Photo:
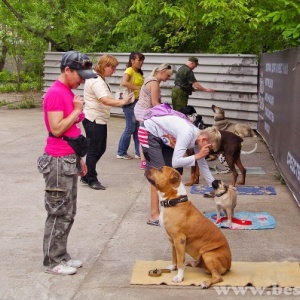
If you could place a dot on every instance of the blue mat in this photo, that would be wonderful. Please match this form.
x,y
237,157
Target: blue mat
x,y
246,220
241,190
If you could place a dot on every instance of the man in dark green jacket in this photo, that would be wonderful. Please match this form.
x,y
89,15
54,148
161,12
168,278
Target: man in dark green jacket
x,y
185,84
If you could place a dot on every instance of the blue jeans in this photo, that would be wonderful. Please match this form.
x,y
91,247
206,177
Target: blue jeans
x,y
131,128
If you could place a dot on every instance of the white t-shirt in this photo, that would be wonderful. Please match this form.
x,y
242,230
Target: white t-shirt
x,y
184,135
94,109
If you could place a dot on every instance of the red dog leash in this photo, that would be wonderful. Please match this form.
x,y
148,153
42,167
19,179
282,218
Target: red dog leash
x,y
234,220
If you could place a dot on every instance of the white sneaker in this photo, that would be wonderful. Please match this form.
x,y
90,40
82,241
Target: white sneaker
x,y
126,156
74,263
137,156
62,269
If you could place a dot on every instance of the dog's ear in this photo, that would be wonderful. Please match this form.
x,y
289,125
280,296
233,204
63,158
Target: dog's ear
x,y
199,118
215,184
175,176
192,109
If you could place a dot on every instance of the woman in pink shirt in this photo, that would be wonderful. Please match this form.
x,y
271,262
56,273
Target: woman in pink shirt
x,y
59,164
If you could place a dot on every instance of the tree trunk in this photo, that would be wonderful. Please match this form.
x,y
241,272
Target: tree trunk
x,y
3,57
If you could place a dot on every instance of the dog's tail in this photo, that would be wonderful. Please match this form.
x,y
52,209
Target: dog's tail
x,y
249,152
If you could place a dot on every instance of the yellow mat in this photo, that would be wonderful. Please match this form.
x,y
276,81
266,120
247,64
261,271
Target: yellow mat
x,y
262,274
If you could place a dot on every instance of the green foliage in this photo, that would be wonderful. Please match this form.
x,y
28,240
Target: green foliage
x,y
3,103
10,82
6,76
287,21
28,28
26,103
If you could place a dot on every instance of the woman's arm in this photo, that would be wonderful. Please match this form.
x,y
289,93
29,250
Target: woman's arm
x,y
58,124
114,102
126,81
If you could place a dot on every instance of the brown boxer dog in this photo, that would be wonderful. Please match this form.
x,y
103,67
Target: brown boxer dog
x,y
188,229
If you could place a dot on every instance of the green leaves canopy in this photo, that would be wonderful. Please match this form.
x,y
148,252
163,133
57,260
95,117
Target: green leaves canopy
x,y
27,28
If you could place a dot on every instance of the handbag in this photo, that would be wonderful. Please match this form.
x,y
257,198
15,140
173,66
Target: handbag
x,y
122,92
79,144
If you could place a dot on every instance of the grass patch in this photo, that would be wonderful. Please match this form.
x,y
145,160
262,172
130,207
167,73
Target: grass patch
x,y
3,103
279,177
25,103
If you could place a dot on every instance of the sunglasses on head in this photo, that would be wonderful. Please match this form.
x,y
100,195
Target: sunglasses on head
x,y
167,67
85,63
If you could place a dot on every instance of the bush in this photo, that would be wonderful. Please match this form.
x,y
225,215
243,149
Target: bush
x,y
6,76
8,88
29,82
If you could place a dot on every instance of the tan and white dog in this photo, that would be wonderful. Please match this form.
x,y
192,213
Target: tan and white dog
x,y
221,123
226,200
188,229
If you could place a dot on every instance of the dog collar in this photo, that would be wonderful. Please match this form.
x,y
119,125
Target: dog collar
x,y
221,194
173,202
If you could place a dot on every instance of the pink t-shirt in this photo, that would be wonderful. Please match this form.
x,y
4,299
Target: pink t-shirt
x,y
59,97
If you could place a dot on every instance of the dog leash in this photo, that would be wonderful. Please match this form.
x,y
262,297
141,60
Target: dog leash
x,y
158,272
234,220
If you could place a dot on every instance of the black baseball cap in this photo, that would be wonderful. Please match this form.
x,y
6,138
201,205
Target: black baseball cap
x,y
78,62
194,60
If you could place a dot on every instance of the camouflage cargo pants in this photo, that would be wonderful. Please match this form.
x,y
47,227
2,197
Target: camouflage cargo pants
x,y
179,98
61,177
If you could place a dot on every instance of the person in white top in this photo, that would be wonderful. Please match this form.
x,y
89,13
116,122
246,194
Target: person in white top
x,y
150,95
164,141
98,101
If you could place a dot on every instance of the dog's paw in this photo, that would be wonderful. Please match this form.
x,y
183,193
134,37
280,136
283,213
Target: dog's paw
x,y
179,277
172,267
229,224
205,284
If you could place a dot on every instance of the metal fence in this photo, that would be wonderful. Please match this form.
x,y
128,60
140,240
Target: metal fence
x,y
232,76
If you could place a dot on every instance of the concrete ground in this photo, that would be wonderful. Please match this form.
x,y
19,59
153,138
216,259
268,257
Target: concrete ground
x,y
110,232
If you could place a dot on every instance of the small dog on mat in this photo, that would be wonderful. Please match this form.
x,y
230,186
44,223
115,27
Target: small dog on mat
x,y
225,199
188,229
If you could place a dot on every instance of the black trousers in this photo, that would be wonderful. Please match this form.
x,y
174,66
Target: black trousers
x,y
97,133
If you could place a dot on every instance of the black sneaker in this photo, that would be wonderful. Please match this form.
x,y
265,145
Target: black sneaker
x,y
96,185
83,180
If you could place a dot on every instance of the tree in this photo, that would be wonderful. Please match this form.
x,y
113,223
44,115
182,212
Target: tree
x,y
206,26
